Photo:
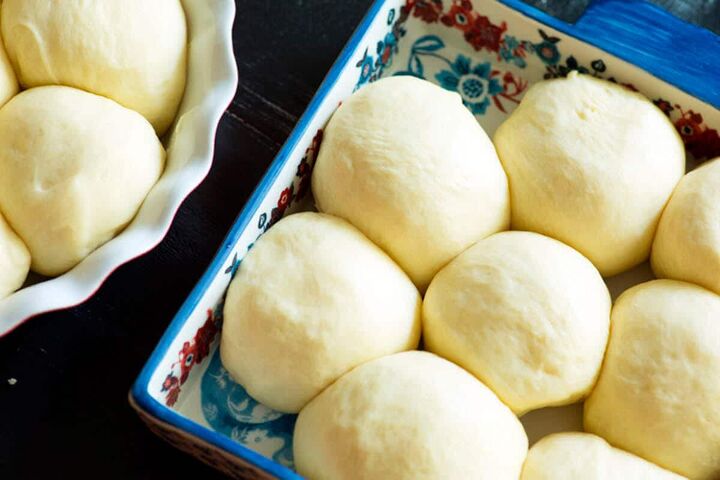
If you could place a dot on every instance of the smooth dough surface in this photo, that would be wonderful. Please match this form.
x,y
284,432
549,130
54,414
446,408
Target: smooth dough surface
x,y
132,51
591,164
75,169
575,456
8,81
687,244
14,260
409,416
311,300
404,161
658,392
526,314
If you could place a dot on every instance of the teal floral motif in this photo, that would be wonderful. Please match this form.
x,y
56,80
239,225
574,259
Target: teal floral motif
x,y
229,409
547,50
475,84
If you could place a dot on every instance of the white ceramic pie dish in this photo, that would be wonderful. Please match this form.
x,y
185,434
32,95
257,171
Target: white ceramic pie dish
x,y
211,85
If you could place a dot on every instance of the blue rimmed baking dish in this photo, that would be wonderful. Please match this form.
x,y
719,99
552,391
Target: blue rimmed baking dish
x,y
488,51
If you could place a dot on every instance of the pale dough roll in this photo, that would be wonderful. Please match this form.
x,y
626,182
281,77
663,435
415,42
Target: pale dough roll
x,y
311,300
658,392
409,416
8,82
687,244
528,315
133,51
582,456
14,260
591,164
405,162
75,169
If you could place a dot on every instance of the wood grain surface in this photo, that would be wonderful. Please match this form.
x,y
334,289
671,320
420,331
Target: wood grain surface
x,y
66,414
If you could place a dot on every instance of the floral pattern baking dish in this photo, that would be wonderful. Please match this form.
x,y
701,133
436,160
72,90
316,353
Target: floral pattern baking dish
x,y
211,84
489,52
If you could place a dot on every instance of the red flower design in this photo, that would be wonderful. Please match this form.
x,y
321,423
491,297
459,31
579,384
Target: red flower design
x,y
426,10
701,140
285,198
172,396
484,34
186,361
204,337
169,382
460,16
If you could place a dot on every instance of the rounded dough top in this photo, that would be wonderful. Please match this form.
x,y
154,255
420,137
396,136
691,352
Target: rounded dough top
x,y
687,244
14,260
8,82
657,395
133,51
311,300
404,161
526,314
409,416
591,164
76,168
575,456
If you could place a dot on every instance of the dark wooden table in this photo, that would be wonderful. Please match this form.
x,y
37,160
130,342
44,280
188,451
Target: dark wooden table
x,y
67,416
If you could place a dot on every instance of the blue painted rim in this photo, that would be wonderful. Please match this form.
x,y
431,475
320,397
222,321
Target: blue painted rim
x,y
139,390
616,26
645,35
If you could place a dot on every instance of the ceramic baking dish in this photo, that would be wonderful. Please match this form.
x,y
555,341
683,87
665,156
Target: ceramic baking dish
x,y
211,84
490,52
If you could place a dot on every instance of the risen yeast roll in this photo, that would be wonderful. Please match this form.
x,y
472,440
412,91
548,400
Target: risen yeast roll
x,y
133,51
8,81
75,169
405,162
582,456
528,315
311,300
591,164
658,392
14,260
687,244
409,416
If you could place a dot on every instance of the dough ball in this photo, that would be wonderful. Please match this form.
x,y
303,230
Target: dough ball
x,y
132,51
526,314
687,243
658,392
8,82
405,162
592,164
75,169
409,416
574,456
311,300
14,260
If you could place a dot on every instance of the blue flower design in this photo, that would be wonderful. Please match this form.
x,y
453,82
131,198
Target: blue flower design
x,y
548,52
474,84
507,51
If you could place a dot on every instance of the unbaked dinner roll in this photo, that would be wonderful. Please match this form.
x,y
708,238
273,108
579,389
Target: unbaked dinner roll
x,y
405,162
311,300
14,260
75,169
8,82
528,315
592,164
133,51
409,416
582,456
658,392
687,244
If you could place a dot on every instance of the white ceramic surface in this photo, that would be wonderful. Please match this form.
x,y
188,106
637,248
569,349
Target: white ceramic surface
x,y
211,85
